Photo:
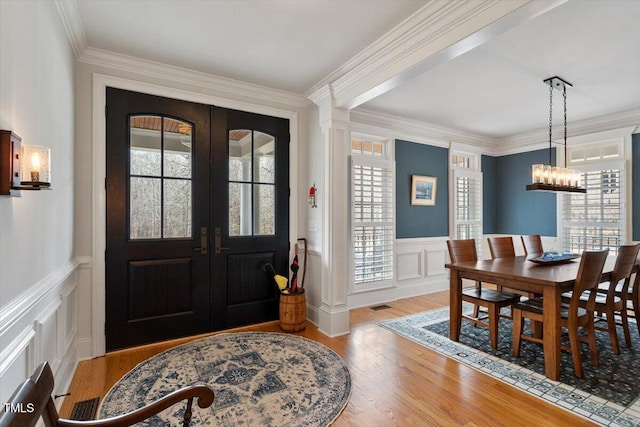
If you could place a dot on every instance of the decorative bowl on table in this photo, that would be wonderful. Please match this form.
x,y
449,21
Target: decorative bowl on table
x,y
553,257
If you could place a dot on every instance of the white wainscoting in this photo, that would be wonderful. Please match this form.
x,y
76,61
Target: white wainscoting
x,y
41,324
420,266
419,270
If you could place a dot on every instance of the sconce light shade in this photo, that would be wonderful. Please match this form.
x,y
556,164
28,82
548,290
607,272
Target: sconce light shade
x,y
36,166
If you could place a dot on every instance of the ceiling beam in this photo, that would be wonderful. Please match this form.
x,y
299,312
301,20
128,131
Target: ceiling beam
x,y
435,34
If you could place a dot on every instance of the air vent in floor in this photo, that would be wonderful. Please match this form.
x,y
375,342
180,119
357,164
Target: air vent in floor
x,y
85,410
380,307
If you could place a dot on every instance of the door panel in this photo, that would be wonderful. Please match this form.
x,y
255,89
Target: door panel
x,y
157,279
160,288
252,179
197,204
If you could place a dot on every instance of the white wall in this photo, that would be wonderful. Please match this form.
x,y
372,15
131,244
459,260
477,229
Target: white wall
x,y
38,296
310,225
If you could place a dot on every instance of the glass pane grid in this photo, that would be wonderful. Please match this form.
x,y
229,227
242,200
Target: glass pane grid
x,y
251,183
160,172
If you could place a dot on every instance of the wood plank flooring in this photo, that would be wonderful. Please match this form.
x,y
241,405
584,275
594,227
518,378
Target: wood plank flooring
x,y
395,382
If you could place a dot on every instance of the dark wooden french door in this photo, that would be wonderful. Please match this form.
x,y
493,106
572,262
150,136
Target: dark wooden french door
x,y
197,203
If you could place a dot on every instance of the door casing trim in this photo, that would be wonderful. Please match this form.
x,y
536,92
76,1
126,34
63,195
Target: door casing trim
x,y
99,198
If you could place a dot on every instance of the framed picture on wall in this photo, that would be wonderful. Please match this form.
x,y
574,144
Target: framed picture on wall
x,y
423,190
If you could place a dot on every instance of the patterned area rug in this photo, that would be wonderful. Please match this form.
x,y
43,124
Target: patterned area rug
x,y
259,379
607,395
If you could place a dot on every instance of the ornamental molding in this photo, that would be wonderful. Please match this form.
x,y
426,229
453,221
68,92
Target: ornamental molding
x,y
233,88
70,16
438,32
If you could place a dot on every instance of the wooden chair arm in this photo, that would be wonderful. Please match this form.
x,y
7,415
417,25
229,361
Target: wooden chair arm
x,y
203,393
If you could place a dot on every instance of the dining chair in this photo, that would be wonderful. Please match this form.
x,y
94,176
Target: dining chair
x,y
501,247
633,298
612,296
573,315
532,244
492,300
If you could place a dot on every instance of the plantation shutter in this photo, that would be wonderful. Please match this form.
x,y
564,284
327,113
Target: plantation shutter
x,y
372,213
595,220
468,206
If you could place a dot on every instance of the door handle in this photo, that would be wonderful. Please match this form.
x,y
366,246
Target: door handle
x,y
204,239
218,241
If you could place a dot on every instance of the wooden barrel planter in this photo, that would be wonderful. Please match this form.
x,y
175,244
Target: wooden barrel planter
x,y
293,312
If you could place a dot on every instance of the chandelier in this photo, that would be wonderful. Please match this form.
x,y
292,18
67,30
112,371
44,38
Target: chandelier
x,y
554,178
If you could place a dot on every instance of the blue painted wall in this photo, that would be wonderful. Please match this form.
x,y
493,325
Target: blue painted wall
x,y
489,196
509,208
421,221
635,189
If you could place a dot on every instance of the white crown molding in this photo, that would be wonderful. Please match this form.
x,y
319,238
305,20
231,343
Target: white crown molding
x,y
390,126
321,95
70,16
538,139
440,31
233,88
415,131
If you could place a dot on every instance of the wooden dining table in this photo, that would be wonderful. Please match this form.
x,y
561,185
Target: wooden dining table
x,y
548,280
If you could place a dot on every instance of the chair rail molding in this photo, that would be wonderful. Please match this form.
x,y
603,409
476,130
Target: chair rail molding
x,y
16,309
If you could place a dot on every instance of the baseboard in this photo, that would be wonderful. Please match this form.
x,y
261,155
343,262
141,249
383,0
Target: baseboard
x,y
85,348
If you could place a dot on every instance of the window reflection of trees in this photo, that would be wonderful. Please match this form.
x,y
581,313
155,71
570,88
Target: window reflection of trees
x,y
146,211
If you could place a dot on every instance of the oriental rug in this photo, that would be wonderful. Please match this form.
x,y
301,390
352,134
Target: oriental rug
x,y
607,395
259,379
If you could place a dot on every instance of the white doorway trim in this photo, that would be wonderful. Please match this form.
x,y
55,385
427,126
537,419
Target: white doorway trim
x,y
99,224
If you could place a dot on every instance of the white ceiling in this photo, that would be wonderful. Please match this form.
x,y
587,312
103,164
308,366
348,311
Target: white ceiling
x,y
282,44
493,91
497,89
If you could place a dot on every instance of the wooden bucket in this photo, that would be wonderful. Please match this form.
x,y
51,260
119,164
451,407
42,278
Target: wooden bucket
x,y
293,312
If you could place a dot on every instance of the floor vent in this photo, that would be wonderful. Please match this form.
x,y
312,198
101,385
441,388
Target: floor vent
x,y
380,307
85,410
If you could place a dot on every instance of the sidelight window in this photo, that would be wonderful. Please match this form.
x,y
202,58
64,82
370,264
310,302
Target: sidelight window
x,y
160,178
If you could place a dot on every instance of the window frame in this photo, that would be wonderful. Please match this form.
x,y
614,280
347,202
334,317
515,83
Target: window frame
x,y
473,171
620,139
594,166
382,161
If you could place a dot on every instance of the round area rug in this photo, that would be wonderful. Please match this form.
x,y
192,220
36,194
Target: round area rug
x,y
259,379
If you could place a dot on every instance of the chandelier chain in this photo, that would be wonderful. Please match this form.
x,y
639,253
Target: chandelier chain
x,y
550,118
564,94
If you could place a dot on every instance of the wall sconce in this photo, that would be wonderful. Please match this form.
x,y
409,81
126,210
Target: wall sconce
x,y
22,166
35,167
10,145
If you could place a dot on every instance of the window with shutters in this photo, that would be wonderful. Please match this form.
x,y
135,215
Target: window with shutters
x,y
595,220
467,198
372,215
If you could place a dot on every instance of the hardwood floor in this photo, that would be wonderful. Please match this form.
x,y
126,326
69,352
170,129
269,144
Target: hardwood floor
x,y
395,382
